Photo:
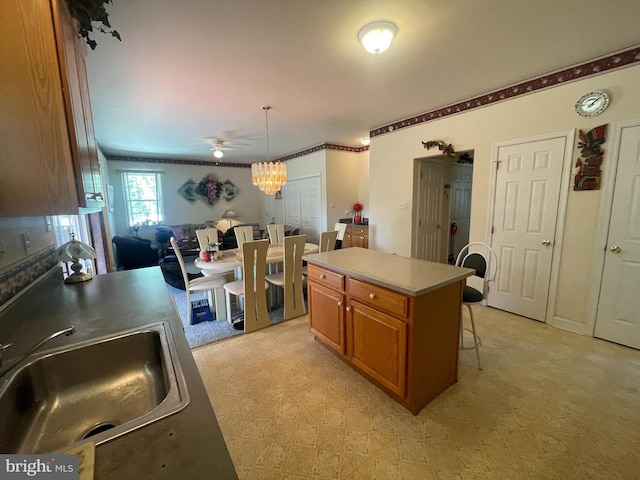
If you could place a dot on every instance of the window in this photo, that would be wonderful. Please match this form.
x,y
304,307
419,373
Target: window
x,y
143,197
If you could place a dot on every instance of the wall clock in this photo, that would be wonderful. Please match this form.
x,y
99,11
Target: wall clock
x,y
592,103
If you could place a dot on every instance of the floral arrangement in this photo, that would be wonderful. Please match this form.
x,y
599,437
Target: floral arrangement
x,y
447,149
209,190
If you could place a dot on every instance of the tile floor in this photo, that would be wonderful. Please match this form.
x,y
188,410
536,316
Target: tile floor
x,y
548,405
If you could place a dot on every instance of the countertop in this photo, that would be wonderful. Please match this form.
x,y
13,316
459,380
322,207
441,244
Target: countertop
x,y
184,445
410,276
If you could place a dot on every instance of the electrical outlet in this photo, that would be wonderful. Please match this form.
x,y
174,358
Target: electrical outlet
x,y
403,206
26,243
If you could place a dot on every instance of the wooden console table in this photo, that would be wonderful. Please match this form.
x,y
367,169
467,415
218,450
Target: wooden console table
x,y
396,320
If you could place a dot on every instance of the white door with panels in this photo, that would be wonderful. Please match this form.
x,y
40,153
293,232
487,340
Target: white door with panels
x,y
618,317
527,192
429,212
303,206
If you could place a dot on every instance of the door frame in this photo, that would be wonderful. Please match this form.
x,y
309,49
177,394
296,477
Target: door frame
x,y
565,181
609,171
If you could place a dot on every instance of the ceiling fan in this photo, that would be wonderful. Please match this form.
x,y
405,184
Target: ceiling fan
x,y
220,146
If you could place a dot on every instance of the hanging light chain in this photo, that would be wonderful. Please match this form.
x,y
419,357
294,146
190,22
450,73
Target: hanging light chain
x,y
266,109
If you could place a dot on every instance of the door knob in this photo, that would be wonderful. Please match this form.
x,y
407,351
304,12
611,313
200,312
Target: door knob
x,y
438,226
615,249
546,243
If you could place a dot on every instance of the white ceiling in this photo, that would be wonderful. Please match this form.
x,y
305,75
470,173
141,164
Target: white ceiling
x,y
190,70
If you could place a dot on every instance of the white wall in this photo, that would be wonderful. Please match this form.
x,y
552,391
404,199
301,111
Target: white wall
x,y
392,158
177,210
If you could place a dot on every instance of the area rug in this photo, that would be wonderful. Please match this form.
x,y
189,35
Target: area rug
x,y
204,333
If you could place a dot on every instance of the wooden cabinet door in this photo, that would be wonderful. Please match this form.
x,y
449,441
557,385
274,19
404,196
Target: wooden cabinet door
x,y
36,177
326,315
72,53
378,346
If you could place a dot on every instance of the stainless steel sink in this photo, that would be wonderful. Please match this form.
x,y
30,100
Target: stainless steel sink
x,y
96,391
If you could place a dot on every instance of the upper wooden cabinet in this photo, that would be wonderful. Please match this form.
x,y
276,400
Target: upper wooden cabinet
x,y
48,155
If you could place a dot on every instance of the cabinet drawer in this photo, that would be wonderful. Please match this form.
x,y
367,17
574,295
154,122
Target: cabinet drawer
x,y
378,297
325,277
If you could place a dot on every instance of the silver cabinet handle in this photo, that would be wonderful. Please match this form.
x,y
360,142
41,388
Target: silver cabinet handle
x,y
372,296
615,249
546,243
323,276
339,303
348,309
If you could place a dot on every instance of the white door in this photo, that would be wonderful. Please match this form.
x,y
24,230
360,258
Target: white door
x,y
527,191
461,182
618,318
311,208
429,212
291,198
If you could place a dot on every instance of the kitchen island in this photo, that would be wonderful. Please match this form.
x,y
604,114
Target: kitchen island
x,y
395,320
187,444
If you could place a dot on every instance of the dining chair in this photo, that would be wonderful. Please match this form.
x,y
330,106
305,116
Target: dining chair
x,y
243,234
341,228
485,262
328,240
276,232
327,243
207,237
212,284
291,279
253,287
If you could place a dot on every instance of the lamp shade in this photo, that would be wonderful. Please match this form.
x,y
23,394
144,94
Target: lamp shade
x,y
229,214
376,37
73,251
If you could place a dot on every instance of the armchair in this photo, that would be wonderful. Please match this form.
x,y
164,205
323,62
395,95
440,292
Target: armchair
x,y
134,252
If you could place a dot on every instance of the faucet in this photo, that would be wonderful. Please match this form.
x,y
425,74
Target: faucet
x,y
67,331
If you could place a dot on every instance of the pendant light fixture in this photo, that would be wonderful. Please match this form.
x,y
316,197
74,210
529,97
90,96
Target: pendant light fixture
x,y
268,176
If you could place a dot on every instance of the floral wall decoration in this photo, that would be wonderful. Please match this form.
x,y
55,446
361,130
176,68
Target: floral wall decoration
x,y
587,167
447,149
208,190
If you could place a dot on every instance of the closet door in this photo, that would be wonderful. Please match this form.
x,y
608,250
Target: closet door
x,y
291,198
303,206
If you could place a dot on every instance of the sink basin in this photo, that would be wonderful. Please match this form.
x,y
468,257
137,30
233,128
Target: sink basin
x,y
96,390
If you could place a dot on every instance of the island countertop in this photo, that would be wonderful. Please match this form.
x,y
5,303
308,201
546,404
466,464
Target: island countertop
x,y
410,276
187,444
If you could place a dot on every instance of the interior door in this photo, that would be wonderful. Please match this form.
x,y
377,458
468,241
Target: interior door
x,y
618,317
525,211
461,183
429,212
291,198
311,201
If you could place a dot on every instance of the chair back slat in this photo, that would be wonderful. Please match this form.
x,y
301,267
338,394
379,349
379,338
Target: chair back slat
x,y
206,237
183,269
293,296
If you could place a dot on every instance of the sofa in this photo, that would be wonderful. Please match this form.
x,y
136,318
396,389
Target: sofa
x,y
229,238
134,252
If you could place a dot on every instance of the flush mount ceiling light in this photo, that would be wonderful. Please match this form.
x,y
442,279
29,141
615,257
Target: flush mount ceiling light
x,y
376,37
217,151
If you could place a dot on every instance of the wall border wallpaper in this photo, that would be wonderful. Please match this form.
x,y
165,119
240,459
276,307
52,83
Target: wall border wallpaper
x,y
20,275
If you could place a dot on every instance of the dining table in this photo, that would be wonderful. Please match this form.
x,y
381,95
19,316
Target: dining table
x,y
230,260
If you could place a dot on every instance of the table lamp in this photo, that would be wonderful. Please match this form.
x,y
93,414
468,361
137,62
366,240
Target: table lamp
x,y
229,215
73,251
